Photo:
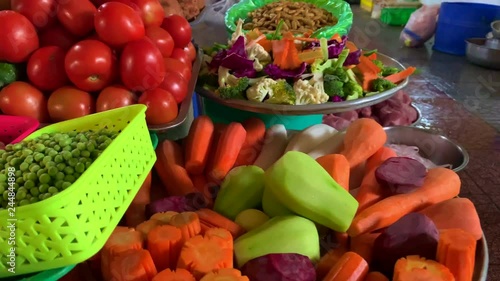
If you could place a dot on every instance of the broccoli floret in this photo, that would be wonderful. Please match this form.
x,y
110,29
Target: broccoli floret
x,y
352,90
282,93
339,72
378,63
235,92
333,85
380,85
388,70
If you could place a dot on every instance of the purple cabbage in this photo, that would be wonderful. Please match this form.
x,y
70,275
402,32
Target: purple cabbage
x,y
275,72
188,203
336,99
334,47
235,59
353,58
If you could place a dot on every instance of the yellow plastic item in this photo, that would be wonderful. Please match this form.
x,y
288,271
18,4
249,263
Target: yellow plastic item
x,y
366,5
72,226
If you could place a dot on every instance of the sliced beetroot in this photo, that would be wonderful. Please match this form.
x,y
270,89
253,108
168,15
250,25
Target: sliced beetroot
x,y
348,115
336,122
413,234
188,203
365,112
282,267
400,175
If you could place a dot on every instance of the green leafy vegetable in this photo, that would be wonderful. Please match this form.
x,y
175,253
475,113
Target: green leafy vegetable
x,y
235,92
333,85
380,85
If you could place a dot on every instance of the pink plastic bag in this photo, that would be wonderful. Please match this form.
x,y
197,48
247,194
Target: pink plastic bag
x,y
420,27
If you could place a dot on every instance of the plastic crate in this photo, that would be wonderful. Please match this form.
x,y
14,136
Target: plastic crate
x,y
13,129
74,225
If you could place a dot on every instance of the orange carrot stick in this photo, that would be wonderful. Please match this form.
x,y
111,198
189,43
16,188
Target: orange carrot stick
x,y
376,276
145,227
188,223
213,219
338,167
402,75
220,233
440,184
164,218
198,142
372,56
202,185
164,244
170,152
177,275
350,267
228,148
457,251
133,265
136,212
201,255
349,45
225,274
415,268
327,261
256,129
121,240
363,245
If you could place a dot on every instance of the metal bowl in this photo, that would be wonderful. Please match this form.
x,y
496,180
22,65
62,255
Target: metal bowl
x,y
478,53
419,115
437,148
325,108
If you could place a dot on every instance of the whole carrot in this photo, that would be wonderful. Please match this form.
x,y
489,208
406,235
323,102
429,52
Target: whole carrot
x,y
350,267
440,184
338,167
198,144
254,141
362,139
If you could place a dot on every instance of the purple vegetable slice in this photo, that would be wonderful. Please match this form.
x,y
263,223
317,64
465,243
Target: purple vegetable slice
x,y
282,267
187,203
276,73
401,174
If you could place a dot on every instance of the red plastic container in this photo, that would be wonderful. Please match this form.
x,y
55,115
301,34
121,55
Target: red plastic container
x,y
14,129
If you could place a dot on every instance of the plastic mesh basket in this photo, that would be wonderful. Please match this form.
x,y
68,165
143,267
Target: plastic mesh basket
x,y
15,128
74,225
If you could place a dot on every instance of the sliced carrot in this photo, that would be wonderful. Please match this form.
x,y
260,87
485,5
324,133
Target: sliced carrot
x,y
225,274
328,260
400,76
363,245
201,255
375,276
220,233
188,223
291,61
133,265
338,167
211,218
198,142
440,184
414,268
311,55
145,227
457,251
164,244
372,56
370,65
228,148
176,275
350,46
350,267
136,212
164,218
121,240
280,51
256,130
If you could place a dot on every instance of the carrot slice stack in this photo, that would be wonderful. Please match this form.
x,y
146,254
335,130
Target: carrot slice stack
x,y
188,223
147,226
121,240
457,250
133,265
221,233
164,244
165,217
351,266
209,219
226,274
415,268
177,275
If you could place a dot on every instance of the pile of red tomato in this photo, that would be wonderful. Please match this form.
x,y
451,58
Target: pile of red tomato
x,y
81,57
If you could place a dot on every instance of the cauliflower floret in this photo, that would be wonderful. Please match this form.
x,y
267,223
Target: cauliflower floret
x,y
226,79
237,33
261,90
258,54
306,93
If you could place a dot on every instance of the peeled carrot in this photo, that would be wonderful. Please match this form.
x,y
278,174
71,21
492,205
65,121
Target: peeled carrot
x,y
370,190
363,245
188,223
164,244
164,218
136,212
440,184
133,265
338,167
225,274
145,227
201,255
328,261
457,251
415,268
170,152
121,240
350,267
176,275
256,130
400,76
362,139
342,239
220,233
198,142
218,130
375,276
202,185
228,148
211,218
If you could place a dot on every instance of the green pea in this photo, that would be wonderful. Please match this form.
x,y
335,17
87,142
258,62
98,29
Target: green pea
x,y
69,178
69,170
73,162
17,146
47,159
61,166
18,174
53,189
80,167
85,153
50,164
6,194
3,177
57,147
20,195
52,171
58,158
41,172
80,146
29,184
59,184
27,152
24,166
24,202
65,185
34,168
34,191
59,176
39,147
33,200
75,153
38,156
28,159
44,178
45,136
43,188
20,180
66,155
2,188
32,176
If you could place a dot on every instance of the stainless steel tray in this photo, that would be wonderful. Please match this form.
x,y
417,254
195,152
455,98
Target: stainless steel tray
x,y
482,261
329,107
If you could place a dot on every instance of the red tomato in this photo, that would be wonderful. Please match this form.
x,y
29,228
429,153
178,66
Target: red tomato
x,y
176,85
90,65
180,55
162,107
141,65
68,103
46,68
114,97
185,70
22,99
41,13
117,24
191,51
162,40
152,12
18,37
77,16
179,29
57,36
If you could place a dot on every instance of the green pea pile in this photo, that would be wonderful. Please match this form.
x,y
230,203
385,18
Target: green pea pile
x,y
48,164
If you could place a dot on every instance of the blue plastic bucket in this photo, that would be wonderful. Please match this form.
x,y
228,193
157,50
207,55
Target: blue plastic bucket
x,y
225,115
459,21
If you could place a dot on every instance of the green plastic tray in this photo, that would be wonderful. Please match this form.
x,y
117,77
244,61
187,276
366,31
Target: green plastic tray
x,y
340,9
48,275
396,16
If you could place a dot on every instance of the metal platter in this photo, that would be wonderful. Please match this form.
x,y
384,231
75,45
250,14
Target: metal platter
x,y
325,108
482,261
